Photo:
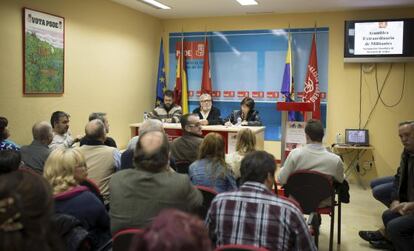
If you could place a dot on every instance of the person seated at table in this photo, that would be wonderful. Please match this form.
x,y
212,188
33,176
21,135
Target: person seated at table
x,y
167,111
211,169
4,135
245,143
64,170
247,114
209,115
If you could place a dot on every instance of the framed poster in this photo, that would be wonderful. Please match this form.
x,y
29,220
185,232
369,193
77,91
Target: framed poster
x,y
43,53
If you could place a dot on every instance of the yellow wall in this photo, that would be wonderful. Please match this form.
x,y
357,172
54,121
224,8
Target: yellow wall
x,y
111,59
343,85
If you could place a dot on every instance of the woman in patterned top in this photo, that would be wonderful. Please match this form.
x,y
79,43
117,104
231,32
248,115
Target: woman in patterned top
x,y
4,134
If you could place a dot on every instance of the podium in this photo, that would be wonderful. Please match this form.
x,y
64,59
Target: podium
x,y
285,108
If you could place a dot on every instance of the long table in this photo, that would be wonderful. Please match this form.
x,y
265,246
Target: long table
x,y
229,133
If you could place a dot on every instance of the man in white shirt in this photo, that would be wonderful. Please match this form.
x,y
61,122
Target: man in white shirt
x,y
62,137
313,156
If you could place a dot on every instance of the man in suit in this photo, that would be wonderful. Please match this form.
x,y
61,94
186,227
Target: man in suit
x,y
209,115
139,194
35,154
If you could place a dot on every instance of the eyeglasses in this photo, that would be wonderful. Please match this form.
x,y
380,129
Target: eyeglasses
x,y
205,101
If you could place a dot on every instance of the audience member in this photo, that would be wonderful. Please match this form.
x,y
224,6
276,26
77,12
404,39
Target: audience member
x,y
399,218
382,189
102,161
62,137
139,194
209,115
102,117
35,154
247,114
245,143
26,208
127,157
178,231
9,161
211,169
4,135
185,148
167,112
313,156
65,169
254,215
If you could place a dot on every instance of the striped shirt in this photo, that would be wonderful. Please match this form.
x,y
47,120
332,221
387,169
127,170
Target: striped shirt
x,y
253,215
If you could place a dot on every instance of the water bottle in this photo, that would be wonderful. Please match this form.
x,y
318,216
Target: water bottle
x,y
239,121
145,116
339,139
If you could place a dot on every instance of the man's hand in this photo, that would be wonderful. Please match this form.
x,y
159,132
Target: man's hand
x,y
228,123
394,204
407,208
244,123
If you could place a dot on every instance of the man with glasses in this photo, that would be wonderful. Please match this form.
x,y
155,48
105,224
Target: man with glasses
x,y
209,115
185,148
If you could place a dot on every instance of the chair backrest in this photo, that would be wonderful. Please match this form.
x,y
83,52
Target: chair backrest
x,y
122,240
309,188
208,196
182,166
238,247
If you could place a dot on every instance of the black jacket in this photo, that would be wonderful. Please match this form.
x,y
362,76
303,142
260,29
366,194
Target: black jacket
x,y
400,182
213,117
253,118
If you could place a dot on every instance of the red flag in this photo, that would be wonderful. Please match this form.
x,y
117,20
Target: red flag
x,y
178,84
206,79
311,88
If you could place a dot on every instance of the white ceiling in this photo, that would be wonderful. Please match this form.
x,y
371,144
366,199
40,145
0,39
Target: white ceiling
x,y
211,8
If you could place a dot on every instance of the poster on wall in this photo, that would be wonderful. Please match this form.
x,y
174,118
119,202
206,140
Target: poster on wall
x,y
43,53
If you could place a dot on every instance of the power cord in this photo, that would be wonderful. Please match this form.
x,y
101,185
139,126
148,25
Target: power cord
x,y
402,90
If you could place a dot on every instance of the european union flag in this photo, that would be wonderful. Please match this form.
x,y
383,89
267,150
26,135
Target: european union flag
x,y
161,80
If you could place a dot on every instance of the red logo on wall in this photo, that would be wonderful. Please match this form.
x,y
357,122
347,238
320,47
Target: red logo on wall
x,y
216,93
192,50
228,94
272,94
190,93
242,94
258,94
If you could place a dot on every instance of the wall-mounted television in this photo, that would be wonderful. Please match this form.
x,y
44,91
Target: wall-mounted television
x,y
387,40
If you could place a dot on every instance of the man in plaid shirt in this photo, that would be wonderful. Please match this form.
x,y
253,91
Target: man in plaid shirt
x,y
254,215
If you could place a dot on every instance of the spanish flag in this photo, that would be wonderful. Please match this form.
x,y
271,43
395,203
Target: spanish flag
x,y
181,87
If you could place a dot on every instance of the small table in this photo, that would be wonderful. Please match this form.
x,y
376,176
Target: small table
x,y
353,166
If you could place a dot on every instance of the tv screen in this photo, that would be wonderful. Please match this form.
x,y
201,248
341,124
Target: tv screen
x,y
356,137
379,41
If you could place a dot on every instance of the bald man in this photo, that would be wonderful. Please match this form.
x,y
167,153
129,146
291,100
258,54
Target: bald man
x,y
139,194
101,160
35,154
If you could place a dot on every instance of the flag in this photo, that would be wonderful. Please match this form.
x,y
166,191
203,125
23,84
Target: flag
x,y
161,80
181,88
287,89
206,78
311,86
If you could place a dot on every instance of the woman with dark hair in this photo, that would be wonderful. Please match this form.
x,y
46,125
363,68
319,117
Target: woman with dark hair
x,y
26,208
4,135
246,116
65,168
210,169
9,161
173,230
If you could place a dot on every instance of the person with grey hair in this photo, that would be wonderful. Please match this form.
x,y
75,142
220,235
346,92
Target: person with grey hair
x,y
101,160
128,155
35,154
209,115
399,218
102,117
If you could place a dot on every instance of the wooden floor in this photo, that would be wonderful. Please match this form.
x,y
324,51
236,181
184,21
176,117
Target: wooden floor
x,y
362,213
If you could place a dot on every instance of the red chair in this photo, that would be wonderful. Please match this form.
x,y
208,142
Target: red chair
x,y
239,247
208,196
310,188
122,240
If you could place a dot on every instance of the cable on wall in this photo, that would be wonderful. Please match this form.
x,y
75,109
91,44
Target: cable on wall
x,y
401,95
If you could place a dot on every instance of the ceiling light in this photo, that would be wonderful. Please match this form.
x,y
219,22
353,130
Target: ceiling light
x,y
247,2
156,4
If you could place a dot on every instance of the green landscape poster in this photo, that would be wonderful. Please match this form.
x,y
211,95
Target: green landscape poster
x,y
43,53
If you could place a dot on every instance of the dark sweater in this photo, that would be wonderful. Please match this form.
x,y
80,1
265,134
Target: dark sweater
x,y
213,117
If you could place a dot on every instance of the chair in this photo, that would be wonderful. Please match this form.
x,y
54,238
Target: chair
x,y
208,196
122,240
239,247
310,188
182,166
